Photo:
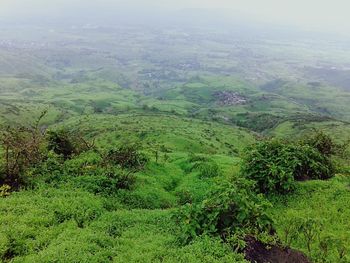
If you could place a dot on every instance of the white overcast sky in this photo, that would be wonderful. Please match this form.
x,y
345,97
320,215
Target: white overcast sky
x,y
327,14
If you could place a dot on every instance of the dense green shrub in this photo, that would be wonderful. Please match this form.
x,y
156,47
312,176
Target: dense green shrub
x,y
86,170
197,158
50,170
184,196
271,164
322,142
60,143
30,150
311,164
258,122
67,143
86,163
207,249
127,156
230,207
103,184
275,165
80,210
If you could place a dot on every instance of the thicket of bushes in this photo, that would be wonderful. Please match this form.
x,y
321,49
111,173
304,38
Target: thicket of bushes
x,y
29,153
275,165
231,211
258,122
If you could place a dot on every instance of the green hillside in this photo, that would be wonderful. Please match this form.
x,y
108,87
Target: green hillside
x,y
149,144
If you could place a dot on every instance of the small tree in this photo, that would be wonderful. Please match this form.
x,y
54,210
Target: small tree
x,y
23,147
66,142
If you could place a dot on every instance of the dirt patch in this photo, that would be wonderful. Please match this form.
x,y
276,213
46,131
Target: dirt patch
x,y
259,252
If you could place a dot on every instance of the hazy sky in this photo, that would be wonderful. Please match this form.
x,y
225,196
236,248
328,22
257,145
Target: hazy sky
x,y
327,14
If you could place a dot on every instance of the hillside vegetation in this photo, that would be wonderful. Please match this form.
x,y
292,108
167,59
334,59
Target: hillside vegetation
x,y
172,146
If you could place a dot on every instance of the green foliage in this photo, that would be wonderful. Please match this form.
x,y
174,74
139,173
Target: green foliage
x,y
206,167
83,204
68,142
276,164
229,208
312,164
271,165
60,143
184,196
87,171
23,148
314,219
322,142
5,190
105,184
37,221
127,156
86,163
208,249
258,122
308,228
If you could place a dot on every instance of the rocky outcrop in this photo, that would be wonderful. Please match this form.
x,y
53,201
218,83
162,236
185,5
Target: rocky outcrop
x,y
229,98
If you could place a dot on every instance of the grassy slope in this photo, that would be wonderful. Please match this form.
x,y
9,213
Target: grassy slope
x,y
69,224
323,201
72,225
42,227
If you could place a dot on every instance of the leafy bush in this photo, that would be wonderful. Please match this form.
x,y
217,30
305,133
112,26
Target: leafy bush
x,y
87,170
207,249
60,143
197,158
26,150
86,163
311,164
79,207
322,142
271,165
41,220
103,184
66,142
275,165
184,196
97,175
22,149
229,208
127,156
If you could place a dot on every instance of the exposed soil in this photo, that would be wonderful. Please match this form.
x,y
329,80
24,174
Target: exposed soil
x,y
259,252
